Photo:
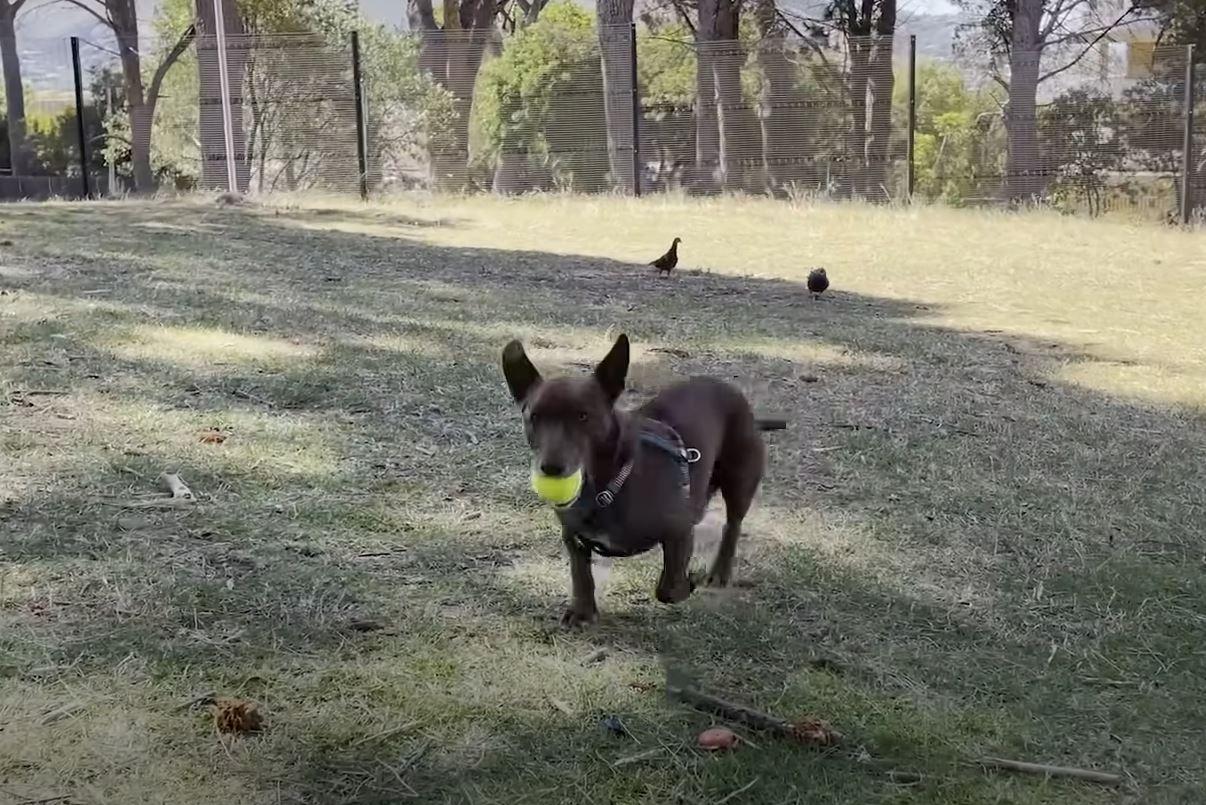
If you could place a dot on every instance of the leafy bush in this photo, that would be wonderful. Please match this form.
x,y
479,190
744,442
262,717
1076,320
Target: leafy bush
x,y
540,103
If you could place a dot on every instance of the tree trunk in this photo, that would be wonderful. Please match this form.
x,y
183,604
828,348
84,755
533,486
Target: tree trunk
x,y
1023,166
732,118
853,183
124,19
14,90
717,36
452,56
782,132
614,19
211,129
880,83
707,134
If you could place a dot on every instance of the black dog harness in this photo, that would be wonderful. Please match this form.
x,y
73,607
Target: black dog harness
x,y
591,510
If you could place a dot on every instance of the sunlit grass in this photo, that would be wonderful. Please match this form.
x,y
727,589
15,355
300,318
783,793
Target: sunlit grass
x,y
206,348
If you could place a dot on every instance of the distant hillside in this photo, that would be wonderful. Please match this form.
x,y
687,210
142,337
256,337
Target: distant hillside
x,y
935,35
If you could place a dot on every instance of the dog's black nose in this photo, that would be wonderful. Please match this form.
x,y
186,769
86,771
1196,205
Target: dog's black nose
x,y
552,468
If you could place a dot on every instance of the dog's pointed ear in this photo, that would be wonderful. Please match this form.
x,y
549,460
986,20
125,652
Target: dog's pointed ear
x,y
521,375
613,369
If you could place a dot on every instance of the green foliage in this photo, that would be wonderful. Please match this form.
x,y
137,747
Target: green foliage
x,y
1183,21
958,132
666,67
53,141
541,98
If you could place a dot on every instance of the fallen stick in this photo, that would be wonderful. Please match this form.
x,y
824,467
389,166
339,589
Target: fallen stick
x,y
728,710
806,731
176,486
1051,771
208,697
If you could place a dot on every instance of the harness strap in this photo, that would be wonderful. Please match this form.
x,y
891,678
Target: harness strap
x,y
608,495
682,455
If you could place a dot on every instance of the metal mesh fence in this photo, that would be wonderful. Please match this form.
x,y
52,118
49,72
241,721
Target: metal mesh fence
x,y
45,163
575,108
1106,136
293,113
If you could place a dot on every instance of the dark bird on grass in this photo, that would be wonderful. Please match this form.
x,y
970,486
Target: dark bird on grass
x,y
666,263
818,281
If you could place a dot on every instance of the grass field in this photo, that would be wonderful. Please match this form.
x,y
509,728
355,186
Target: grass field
x,y
981,535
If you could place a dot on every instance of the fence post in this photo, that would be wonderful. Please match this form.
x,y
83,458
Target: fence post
x,y
636,111
1187,166
232,179
361,133
79,116
911,169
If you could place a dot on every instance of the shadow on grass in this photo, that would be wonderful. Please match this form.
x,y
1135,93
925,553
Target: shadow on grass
x,y
997,559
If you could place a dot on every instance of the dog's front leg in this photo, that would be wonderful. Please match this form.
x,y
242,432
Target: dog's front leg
x,y
582,609
674,585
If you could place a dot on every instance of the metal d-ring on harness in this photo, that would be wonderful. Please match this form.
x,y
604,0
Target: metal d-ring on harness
x,y
657,435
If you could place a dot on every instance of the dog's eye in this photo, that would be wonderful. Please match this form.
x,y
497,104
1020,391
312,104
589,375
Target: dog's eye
x,y
583,416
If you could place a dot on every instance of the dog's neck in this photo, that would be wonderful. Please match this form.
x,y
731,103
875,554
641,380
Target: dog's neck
x,y
609,457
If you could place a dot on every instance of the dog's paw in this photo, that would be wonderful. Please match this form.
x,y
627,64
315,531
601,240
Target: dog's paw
x,y
575,617
674,593
718,579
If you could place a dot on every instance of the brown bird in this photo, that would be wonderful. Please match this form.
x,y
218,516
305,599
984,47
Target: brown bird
x,y
666,263
818,281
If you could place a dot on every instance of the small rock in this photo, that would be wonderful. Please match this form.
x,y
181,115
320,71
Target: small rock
x,y
613,725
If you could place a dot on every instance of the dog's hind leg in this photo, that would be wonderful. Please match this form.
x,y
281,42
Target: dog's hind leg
x,y
738,489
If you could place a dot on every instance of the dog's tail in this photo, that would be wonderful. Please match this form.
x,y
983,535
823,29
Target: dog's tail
x,y
770,423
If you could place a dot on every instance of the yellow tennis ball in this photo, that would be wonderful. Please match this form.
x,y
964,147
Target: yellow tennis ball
x,y
558,490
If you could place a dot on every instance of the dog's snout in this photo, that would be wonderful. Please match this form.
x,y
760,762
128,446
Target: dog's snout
x,y
554,468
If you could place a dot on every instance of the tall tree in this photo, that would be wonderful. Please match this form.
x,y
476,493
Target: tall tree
x,y
1024,32
781,125
452,54
614,18
1182,22
721,56
881,80
868,27
121,17
14,89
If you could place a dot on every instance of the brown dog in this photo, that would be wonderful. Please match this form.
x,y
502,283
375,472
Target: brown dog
x,y
648,475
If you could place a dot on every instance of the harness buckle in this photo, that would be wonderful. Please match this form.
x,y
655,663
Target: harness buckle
x,y
605,498
693,455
